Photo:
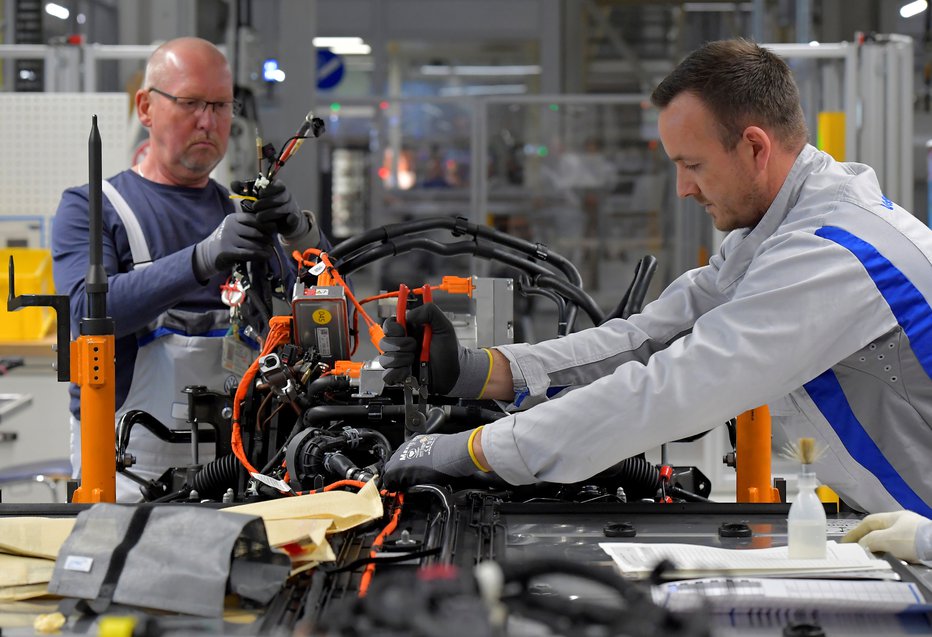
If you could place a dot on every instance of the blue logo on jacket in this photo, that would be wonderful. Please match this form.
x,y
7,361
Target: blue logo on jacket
x,y
886,203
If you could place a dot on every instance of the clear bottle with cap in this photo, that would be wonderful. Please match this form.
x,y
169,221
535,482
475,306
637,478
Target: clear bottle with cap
x,y
807,527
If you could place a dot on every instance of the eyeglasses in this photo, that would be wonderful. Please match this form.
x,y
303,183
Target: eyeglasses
x,y
196,106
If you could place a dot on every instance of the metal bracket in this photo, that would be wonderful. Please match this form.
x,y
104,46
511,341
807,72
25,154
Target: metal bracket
x,y
62,307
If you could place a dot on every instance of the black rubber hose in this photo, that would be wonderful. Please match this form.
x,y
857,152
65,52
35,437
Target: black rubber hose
x,y
642,278
356,245
385,233
138,417
326,382
638,476
559,301
378,440
315,415
216,475
633,300
536,250
543,275
436,418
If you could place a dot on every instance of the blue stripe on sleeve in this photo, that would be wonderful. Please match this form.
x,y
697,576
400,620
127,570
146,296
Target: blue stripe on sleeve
x,y
911,309
826,392
914,315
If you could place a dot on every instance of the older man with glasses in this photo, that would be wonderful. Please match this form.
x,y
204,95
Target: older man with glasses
x,y
171,236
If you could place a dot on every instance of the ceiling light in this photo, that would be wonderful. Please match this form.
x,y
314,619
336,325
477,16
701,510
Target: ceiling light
x,y
495,89
483,70
913,8
343,46
326,43
57,11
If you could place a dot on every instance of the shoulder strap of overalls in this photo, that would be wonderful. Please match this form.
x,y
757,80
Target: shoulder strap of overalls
x,y
137,241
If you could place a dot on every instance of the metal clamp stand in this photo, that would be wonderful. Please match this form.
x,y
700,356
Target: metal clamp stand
x,y
93,351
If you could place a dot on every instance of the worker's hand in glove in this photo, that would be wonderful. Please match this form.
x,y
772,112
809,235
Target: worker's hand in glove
x,y
401,353
893,532
276,208
238,238
430,458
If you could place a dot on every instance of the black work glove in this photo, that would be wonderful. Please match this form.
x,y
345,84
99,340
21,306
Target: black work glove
x,y
238,238
432,458
401,353
276,208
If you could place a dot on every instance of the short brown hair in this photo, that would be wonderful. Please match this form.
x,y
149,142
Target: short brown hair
x,y
743,84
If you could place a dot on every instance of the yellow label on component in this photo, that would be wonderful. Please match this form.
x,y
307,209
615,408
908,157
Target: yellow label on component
x,y
322,317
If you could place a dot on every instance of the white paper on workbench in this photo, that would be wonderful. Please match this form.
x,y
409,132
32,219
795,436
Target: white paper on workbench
x,y
691,560
745,594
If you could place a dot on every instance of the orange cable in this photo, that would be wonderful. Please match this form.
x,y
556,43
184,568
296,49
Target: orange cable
x,y
375,330
377,543
279,333
379,297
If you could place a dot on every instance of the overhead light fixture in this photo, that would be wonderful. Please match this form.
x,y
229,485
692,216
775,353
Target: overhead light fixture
x,y
343,46
494,89
57,11
717,7
481,70
913,8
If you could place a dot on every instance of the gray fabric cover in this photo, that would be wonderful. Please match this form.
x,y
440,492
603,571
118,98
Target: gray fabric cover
x,y
186,560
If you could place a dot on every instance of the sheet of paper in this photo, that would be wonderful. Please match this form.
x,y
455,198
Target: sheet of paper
x,y
310,531
26,591
23,614
742,594
322,553
345,509
34,536
16,570
635,559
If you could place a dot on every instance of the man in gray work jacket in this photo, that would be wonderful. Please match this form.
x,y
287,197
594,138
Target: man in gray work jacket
x,y
817,303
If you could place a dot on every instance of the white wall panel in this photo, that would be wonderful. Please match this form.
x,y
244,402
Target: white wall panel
x,y
45,147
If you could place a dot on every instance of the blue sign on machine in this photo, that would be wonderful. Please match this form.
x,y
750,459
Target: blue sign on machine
x,y
330,69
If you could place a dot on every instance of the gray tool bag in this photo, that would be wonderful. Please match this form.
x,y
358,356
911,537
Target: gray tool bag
x,y
181,558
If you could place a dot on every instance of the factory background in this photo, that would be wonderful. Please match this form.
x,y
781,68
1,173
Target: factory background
x,y
531,116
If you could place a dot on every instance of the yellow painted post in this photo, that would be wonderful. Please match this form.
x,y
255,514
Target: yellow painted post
x,y
830,136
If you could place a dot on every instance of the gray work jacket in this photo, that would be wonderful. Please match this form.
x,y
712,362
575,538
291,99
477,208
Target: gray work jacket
x,y
821,309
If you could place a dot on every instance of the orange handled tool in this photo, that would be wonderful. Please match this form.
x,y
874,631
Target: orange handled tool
x,y
402,308
424,372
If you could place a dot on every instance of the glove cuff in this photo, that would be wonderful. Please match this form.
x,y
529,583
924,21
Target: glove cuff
x,y
924,543
453,454
475,369
202,263
306,235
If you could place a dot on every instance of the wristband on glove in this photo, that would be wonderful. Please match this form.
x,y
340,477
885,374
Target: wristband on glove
x,y
472,454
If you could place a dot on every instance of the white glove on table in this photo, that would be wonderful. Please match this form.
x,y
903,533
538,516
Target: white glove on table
x,y
905,534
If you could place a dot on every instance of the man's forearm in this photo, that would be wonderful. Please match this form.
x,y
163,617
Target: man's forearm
x,y
499,387
501,384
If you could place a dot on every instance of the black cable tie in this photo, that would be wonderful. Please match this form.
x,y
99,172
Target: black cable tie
x,y
543,252
461,227
375,411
